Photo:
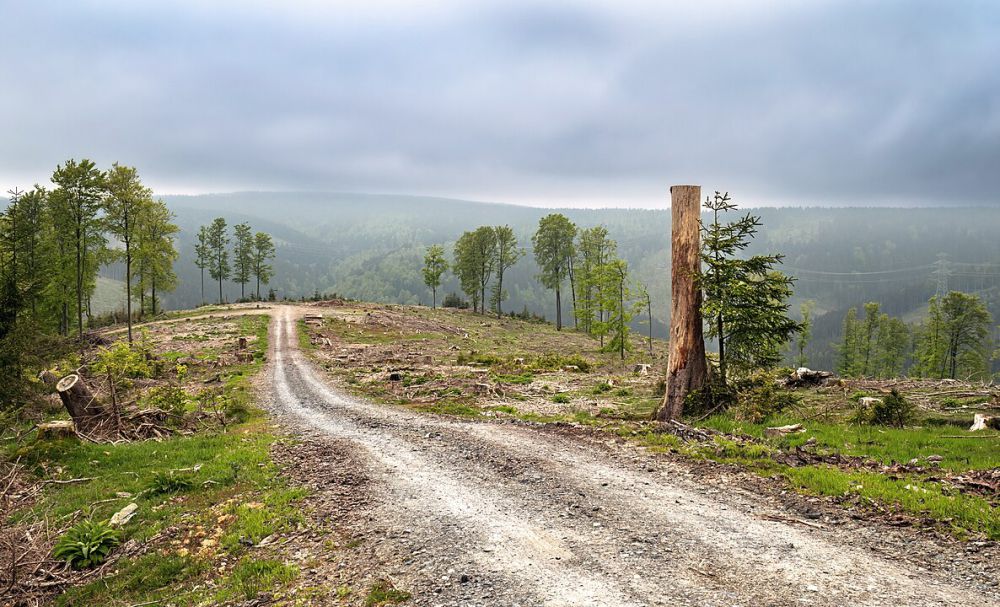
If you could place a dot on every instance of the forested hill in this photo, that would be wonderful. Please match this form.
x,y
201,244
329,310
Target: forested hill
x,y
371,247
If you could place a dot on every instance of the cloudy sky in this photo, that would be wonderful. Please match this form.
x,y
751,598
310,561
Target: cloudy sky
x,y
596,103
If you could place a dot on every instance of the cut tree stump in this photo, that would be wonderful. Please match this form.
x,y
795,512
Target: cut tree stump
x,y
982,421
687,369
56,430
80,402
779,431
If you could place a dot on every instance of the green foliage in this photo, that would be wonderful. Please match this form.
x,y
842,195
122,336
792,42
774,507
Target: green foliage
x,y
507,254
554,252
172,399
745,299
435,266
122,362
475,262
759,397
252,576
452,300
243,245
86,544
889,410
261,256
561,398
955,340
171,481
593,252
218,243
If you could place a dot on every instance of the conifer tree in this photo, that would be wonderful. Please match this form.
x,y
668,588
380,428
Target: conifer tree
x,y
746,300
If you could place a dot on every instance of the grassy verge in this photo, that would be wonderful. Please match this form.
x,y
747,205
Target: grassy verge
x,y
205,503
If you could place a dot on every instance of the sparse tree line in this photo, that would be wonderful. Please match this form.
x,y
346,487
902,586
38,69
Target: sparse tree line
x,y
54,241
248,260
955,341
604,297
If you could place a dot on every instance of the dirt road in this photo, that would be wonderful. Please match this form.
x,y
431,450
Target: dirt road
x,y
479,513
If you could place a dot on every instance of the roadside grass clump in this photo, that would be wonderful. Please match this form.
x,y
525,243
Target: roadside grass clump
x,y
924,499
150,577
383,592
86,544
257,520
561,398
305,338
251,576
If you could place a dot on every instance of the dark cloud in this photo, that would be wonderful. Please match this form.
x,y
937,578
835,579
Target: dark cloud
x,y
579,103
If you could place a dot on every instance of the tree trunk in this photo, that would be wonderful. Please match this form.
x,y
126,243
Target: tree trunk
x,y
558,311
203,286
128,289
572,290
686,365
434,298
79,401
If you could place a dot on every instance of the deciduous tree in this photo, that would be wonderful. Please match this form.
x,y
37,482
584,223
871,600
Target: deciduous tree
x,y
553,248
435,266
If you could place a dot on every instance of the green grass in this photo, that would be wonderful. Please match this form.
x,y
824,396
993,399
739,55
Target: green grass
x,y
881,443
177,483
252,576
383,593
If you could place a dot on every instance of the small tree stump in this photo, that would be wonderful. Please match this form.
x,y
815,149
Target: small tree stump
x,y
56,430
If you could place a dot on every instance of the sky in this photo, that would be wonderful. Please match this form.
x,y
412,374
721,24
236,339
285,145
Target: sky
x,y
589,103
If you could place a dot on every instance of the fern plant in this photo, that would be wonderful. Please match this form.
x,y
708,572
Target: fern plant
x,y
86,544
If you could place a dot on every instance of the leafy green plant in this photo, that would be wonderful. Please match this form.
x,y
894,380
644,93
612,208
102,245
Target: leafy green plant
x,y
86,544
171,482
561,398
122,362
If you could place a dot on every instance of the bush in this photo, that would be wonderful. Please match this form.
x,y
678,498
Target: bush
x,y
122,361
452,300
890,410
171,399
759,397
86,544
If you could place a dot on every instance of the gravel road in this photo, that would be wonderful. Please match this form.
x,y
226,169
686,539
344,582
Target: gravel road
x,y
481,513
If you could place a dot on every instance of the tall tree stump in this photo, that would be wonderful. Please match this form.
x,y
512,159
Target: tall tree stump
x,y
80,402
686,365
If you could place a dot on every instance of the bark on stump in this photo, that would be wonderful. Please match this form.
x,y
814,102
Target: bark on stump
x,y
79,401
686,365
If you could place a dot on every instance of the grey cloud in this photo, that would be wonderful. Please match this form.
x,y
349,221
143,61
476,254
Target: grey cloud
x,y
604,102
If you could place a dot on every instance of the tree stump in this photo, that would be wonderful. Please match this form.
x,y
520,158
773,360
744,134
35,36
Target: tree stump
x,y
80,402
56,430
687,369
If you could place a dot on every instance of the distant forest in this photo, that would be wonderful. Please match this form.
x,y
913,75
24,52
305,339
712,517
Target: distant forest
x,y
371,247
